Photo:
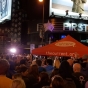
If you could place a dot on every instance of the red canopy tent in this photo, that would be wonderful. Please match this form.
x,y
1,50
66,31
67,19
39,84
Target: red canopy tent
x,y
64,47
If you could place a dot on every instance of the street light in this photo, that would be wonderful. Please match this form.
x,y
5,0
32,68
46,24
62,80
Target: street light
x,y
40,0
42,19
43,10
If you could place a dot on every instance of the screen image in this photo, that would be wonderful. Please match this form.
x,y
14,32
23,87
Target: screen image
x,y
5,10
74,7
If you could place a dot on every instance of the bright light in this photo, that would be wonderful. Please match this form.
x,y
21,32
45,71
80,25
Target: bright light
x,y
40,0
13,50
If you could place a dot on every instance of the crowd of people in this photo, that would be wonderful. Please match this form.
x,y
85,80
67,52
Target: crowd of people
x,y
47,72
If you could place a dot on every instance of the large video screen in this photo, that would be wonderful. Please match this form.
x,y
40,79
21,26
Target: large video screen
x,y
5,10
74,7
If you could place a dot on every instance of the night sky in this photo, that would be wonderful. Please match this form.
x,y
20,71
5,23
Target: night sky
x,y
34,8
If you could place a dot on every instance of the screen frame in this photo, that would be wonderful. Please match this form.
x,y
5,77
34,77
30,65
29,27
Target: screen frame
x,y
59,12
9,11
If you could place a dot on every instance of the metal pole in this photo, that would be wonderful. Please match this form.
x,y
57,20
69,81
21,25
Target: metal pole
x,y
43,23
43,12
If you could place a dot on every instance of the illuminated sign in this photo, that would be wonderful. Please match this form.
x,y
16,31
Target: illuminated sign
x,y
74,8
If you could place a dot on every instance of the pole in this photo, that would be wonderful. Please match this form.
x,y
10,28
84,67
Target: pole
x,y
43,23
42,31
43,12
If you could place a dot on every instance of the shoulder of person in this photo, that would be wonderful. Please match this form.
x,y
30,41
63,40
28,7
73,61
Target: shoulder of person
x,y
69,83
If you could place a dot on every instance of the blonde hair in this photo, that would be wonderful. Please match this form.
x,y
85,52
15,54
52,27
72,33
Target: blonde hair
x,y
18,83
56,63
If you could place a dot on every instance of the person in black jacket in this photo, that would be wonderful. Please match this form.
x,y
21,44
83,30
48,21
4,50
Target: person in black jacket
x,y
79,76
66,72
43,80
24,73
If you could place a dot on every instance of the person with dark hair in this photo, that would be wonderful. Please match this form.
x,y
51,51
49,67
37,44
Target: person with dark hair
x,y
43,80
49,66
84,65
11,70
33,75
24,73
4,81
54,72
23,61
44,62
24,70
40,68
57,82
66,71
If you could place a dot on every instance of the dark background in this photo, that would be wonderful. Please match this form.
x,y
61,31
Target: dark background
x,y
34,8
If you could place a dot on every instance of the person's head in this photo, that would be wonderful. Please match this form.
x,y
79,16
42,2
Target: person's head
x,y
76,56
4,66
33,62
38,62
57,82
16,76
43,61
43,77
56,63
23,61
54,72
65,70
76,67
34,69
49,62
85,58
18,83
24,70
70,61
